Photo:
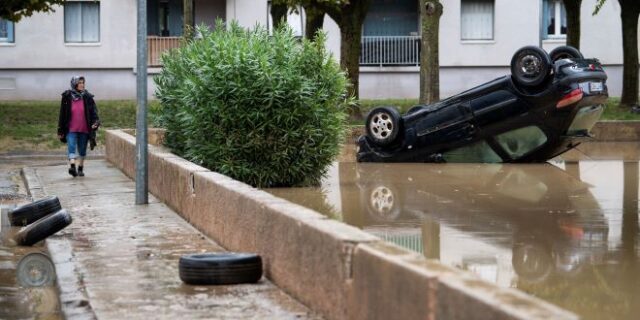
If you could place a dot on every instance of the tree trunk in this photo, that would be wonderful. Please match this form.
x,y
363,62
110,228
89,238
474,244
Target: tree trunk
x,y
573,22
279,15
430,11
630,53
315,20
187,31
350,19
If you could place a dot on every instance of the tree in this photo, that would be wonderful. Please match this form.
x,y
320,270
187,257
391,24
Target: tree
x,y
430,11
279,10
187,15
630,11
14,10
313,10
349,15
573,22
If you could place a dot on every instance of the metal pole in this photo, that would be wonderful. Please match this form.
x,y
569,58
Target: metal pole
x,y
142,194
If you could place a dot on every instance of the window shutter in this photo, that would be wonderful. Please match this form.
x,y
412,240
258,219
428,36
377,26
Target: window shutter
x,y
90,22
10,31
477,20
72,22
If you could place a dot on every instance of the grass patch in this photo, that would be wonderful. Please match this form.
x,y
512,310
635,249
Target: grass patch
x,y
28,124
25,125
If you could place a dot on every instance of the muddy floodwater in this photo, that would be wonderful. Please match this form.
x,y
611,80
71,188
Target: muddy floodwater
x,y
566,232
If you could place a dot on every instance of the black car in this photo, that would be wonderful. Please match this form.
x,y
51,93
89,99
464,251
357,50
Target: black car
x,y
544,108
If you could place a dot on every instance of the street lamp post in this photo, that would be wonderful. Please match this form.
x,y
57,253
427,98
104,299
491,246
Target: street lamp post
x,y
142,196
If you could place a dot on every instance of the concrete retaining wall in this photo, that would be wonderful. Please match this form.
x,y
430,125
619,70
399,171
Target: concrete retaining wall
x,y
335,269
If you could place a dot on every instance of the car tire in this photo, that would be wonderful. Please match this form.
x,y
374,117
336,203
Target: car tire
x,y
43,228
530,66
383,125
220,268
32,212
565,52
35,270
383,202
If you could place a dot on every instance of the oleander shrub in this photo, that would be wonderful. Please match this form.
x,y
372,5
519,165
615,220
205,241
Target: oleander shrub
x,y
268,110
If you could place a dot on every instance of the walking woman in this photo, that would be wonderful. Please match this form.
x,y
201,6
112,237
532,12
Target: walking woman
x,y
77,122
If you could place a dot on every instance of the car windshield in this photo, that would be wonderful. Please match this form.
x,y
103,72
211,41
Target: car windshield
x,y
516,143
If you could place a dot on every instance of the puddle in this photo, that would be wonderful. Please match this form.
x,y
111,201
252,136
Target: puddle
x,y
27,275
566,232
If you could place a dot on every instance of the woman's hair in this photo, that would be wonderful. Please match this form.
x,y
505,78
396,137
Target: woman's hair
x,y
75,80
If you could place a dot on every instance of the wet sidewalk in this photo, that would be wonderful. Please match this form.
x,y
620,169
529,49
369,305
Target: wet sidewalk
x,y
120,261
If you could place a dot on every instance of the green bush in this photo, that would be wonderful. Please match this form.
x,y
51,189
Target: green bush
x,y
268,110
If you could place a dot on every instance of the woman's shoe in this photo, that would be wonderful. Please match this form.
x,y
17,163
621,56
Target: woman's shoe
x,y
73,172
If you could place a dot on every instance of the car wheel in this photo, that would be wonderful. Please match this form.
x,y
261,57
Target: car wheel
x,y
530,66
532,262
383,125
383,202
565,52
220,268
32,212
35,270
43,228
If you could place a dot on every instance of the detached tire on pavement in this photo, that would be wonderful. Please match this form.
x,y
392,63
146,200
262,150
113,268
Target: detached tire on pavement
x,y
43,228
32,212
220,268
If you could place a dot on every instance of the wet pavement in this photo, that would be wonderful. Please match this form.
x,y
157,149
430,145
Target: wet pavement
x,y
120,261
566,231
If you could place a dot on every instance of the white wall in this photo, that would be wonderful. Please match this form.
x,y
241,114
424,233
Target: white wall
x,y
39,41
516,24
49,84
248,13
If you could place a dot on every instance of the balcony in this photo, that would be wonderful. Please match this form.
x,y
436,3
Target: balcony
x,y
158,45
390,51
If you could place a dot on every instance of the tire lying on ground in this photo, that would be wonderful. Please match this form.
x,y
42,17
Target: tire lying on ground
x,y
31,212
220,268
43,228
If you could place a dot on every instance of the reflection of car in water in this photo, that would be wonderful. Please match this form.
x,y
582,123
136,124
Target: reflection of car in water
x,y
550,219
544,108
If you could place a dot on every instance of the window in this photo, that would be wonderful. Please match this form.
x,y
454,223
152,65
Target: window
x,y
6,31
392,18
521,141
82,21
476,20
294,20
554,19
477,152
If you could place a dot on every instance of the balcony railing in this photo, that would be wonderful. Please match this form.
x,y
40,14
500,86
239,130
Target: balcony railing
x,y
390,50
157,45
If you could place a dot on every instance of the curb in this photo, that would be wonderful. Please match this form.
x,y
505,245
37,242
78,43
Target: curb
x,y
74,301
335,269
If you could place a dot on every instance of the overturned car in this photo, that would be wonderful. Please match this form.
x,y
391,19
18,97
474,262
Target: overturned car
x,y
546,107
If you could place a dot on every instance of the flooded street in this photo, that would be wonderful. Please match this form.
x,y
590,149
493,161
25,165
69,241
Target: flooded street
x,y
566,231
27,275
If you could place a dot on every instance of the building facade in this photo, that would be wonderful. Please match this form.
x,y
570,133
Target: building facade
x,y
39,54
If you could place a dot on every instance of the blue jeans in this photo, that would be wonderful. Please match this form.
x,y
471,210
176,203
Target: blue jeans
x,y
77,140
